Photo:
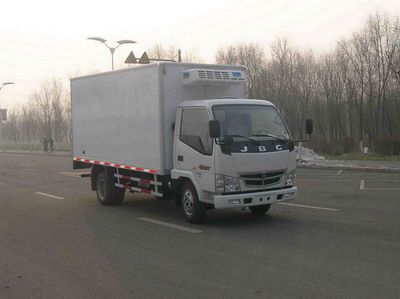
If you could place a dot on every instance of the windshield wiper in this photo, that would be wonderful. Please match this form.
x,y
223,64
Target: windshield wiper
x,y
245,137
272,136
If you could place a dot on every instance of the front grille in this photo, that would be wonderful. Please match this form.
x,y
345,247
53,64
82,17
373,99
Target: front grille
x,y
262,178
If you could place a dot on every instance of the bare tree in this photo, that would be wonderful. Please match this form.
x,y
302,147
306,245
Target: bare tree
x,y
158,51
251,56
48,100
29,125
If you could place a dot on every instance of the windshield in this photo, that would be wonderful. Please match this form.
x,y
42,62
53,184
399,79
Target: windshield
x,y
257,121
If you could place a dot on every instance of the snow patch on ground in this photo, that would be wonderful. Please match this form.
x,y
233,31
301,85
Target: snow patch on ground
x,y
307,155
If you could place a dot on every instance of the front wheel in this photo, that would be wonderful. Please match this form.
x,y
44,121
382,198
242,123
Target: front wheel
x,y
193,209
260,210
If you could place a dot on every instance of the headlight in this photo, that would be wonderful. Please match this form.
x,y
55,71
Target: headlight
x,y
219,183
225,183
231,184
290,178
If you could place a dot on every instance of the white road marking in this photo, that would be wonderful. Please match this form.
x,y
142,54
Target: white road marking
x,y
363,188
339,172
307,207
28,164
170,225
332,179
382,189
49,195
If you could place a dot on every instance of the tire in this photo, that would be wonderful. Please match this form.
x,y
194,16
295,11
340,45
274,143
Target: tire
x,y
260,210
193,210
106,191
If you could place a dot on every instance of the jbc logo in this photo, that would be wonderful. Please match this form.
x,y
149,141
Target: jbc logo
x,y
261,148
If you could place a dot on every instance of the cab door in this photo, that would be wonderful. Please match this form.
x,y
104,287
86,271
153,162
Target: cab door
x,y
194,147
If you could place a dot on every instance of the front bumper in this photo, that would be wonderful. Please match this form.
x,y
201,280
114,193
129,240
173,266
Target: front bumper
x,y
253,199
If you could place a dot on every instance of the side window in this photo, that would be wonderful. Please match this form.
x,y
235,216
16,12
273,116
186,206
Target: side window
x,y
194,130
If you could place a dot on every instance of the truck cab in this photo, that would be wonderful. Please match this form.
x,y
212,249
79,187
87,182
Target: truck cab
x,y
232,153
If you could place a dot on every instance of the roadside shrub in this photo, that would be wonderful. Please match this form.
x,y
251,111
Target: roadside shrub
x,y
320,146
387,146
348,145
396,146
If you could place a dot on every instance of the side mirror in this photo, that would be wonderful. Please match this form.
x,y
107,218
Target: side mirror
x,y
214,128
309,126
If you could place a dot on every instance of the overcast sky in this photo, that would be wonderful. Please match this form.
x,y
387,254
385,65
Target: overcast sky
x,y
42,39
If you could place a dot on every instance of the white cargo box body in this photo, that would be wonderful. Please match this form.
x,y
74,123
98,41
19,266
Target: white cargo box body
x,y
126,116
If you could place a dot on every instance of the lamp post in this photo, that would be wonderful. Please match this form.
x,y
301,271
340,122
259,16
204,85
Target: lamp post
x,y
5,83
1,117
112,49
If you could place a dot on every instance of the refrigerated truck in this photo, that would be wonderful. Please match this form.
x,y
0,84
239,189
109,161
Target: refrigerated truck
x,y
184,131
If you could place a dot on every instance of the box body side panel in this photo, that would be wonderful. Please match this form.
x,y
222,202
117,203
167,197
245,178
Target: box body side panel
x,y
115,118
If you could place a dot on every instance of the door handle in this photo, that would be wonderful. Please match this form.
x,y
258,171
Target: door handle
x,y
180,158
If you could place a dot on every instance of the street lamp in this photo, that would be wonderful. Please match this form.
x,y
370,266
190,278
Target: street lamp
x,y
1,114
112,49
5,83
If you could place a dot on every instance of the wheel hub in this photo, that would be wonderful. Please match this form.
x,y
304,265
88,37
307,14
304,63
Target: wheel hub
x,y
100,189
188,202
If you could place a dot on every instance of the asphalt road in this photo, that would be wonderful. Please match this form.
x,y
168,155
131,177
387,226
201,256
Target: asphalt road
x,y
339,239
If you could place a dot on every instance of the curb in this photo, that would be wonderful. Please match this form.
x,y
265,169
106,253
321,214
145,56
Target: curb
x,y
353,168
54,154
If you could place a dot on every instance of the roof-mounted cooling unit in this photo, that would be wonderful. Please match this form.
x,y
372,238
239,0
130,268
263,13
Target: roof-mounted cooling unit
x,y
212,77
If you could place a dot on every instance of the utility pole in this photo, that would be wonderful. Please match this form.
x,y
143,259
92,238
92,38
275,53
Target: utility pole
x,y
179,55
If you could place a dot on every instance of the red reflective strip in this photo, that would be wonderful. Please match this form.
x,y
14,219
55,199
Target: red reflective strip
x,y
125,177
114,165
126,187
146,191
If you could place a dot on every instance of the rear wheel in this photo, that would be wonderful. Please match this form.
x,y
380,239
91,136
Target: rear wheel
x,y
106,191
193,209
260,210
